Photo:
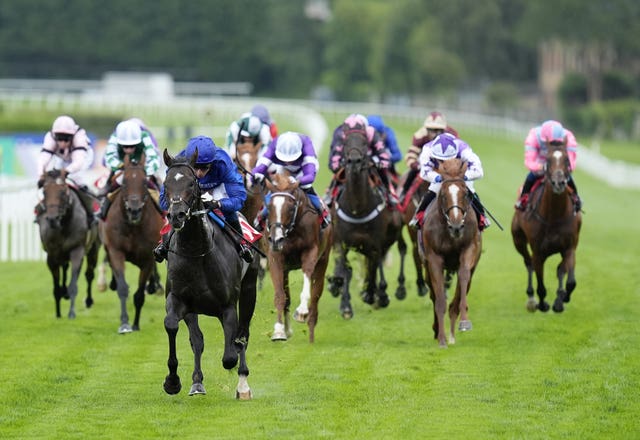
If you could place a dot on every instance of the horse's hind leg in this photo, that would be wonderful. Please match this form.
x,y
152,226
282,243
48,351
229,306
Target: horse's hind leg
x,y
63,286
566,267
197,346
92,261
246,307
138,297
77,257
401,291
381,291
171,383
54,268
538,267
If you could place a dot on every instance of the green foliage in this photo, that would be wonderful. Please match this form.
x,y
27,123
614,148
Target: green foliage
x,y
618,85
380,375
502,95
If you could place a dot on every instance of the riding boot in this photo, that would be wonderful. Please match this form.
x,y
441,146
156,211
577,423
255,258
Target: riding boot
x,y
521,204
418,217
242,246
260,220
483,221
87,202
577,202
104,208
319,206
161,252
411,176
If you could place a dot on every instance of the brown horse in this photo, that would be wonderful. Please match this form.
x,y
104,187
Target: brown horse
x,y
66,238
450,241
549,226
130,232
363,222
295,242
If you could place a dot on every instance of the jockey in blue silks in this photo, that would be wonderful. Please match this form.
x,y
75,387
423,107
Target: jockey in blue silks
x,y
222,187
296,153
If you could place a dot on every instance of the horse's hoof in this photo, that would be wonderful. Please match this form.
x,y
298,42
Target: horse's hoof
x,y
558,306
72,315
368,298
423,290
279,336
135,328
532,305
543,306
383,301
88,303
245,395
124,328
172,386
465,326
197,388
300,317
347,314
452,340
401,293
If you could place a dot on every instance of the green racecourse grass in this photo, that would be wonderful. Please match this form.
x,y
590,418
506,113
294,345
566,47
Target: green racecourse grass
x,y
381,375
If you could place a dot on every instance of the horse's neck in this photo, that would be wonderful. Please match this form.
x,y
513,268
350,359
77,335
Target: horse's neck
x,y
358,194
196,234
552,205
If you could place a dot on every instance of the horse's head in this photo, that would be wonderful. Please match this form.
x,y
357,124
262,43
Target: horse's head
x,y
284,202
454,198
181,189
56,199
246,159
134,189
557,168
356,146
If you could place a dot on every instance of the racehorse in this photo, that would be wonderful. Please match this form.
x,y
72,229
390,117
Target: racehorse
x,y
450,241
295,242
66,238
548,226
363,222
247,155
205,275
130,232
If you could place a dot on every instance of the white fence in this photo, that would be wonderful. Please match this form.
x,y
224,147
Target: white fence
x,y
19,236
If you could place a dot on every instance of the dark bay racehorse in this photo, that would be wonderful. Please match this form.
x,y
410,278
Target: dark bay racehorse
x,y
450,241
295,242
549,226
66,238
130,232
362,222
205,275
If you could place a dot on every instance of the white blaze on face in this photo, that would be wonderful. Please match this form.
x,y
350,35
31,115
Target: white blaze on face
x,y
178,176
278,203
454,191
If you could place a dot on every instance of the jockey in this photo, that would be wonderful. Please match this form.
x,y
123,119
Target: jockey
x,y
376,150
129,139
222,189
249,128
294,152
388,137
263,114
536,146
67,146
434,125
443,147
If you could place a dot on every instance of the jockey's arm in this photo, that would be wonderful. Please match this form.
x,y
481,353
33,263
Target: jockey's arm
x,y
474,165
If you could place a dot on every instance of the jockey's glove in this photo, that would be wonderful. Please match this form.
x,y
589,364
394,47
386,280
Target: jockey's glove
x,y
438,179
212,204
258,178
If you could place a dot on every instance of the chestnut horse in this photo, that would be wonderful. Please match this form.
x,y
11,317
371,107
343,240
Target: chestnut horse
x,y
130,232
450,241
363,222
66,238
296,241
548,226
205,276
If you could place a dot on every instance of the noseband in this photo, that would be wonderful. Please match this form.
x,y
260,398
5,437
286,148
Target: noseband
x,y
289,226
445,212
177,199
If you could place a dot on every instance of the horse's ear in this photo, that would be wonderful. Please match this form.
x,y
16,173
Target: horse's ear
x,y
41,181
194,158
168,160
127,160
143,158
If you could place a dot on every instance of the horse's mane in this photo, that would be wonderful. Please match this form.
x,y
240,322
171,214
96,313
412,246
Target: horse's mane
x,y
280,180
452,169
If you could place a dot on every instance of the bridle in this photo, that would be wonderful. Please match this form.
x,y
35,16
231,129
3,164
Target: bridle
x,y
445,210
286,229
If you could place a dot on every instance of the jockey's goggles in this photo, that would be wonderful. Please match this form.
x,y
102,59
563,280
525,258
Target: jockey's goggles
x,y
63,137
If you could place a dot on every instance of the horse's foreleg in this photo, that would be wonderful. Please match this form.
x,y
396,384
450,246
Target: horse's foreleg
x,y
302,311
172,380
571,274
138,297
420,280
102,275
538,267
77,257
54,268
92,261
438,295
401,291
372,265
246,304
117,270
63,285
196,339
229,321
341,279
565,267
381,291
280,301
